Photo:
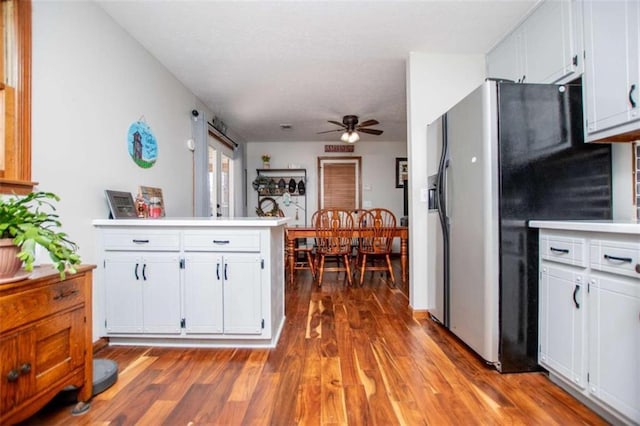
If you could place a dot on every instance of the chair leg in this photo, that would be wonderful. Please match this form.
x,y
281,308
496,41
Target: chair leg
x,y
347,265
363,263
321,271
393,280
312,266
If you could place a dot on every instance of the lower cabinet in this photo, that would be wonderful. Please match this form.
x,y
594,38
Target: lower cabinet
x,y
142,292
614,350
563,322
45,340
589,318
174,284
223,293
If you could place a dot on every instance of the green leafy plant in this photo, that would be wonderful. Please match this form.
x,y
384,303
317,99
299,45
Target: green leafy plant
x,y
31,221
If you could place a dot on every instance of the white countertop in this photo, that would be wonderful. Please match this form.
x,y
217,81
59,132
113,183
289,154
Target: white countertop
x,y
615,226
208,222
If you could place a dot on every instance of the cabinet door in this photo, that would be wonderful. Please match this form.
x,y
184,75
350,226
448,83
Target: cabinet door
x,y
242,276
611,63
550,50
160,280
505,60
14,352
614,354
40,356
562,323
123,292
203,293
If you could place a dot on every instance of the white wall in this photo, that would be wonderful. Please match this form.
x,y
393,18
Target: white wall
x,y
378,169
435,83
91,80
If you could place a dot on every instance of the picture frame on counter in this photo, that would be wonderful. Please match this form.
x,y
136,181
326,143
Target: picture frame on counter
x,y
121,205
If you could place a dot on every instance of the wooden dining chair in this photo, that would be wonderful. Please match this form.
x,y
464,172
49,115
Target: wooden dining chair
x,y
376,229
334,232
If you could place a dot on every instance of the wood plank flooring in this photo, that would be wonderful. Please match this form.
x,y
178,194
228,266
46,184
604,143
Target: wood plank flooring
x,y
347,356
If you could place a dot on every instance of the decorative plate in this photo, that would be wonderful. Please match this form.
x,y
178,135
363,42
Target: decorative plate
x,y
143,147
301,188
292,185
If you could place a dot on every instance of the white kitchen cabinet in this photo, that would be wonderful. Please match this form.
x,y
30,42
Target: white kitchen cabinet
x,y
562,322
242,288
192,282
543,49
589,313
223,293
614,350
612,70
141,292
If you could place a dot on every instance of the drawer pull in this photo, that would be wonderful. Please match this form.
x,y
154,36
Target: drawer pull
x,y
63,295
618,259
221,241
141,241
558,250
575,293
13,375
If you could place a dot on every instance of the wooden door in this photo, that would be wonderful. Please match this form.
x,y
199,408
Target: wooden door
x,y
340,182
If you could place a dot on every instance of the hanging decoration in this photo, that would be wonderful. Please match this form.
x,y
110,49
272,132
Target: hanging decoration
x,y
142,144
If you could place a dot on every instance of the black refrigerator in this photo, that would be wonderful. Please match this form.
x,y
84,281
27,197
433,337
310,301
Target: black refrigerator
x,y
509,153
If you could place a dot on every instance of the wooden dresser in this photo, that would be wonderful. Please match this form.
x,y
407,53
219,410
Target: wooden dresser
x,y
45,340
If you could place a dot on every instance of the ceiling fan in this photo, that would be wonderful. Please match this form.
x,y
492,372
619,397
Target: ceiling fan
x,y
350,128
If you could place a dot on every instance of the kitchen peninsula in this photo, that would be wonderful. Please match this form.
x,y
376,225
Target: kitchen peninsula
x,y
206,282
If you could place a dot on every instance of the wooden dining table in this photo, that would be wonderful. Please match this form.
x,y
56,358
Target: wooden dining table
x,y
294,233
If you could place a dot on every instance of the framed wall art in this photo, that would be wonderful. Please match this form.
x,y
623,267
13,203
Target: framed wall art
x,y
402,171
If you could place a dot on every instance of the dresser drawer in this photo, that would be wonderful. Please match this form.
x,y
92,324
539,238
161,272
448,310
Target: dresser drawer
x,y
243,241
150,240
31,305
563,249
618,257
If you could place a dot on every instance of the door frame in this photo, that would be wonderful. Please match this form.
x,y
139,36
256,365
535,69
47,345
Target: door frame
x,y
357,161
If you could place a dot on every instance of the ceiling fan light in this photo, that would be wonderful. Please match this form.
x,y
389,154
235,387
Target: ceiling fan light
x,y
353,137
345,137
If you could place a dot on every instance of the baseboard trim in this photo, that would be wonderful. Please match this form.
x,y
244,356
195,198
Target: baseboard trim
x,y
101,343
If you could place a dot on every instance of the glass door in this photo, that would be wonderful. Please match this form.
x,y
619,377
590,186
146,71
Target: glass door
x,y
220,178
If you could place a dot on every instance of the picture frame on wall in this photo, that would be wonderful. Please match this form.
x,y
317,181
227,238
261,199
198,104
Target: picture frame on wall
x,y
402,171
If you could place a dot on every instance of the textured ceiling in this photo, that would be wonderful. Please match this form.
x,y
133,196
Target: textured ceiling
x,y
259,64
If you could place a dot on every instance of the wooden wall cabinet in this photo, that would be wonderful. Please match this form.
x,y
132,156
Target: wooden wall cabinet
x,y
45,340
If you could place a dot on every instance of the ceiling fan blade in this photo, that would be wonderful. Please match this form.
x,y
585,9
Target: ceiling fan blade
x,y
368,123
329,131
371,131
337,123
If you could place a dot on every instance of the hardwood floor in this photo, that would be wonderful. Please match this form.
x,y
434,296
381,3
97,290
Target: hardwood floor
x,y
346,356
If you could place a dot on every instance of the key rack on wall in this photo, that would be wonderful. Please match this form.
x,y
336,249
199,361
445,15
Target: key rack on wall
x,y
283,190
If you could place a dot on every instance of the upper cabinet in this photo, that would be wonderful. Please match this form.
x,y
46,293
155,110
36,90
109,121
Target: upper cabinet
x,y
543,49
612,70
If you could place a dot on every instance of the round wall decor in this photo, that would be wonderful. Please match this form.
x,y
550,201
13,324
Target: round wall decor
x,y
142,144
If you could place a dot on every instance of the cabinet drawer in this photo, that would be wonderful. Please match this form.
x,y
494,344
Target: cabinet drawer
x,y
141,240
244,241
24,307
618,257
564,250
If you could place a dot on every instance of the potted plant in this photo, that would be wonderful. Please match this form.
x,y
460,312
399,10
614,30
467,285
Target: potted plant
x,y
29,221
266,158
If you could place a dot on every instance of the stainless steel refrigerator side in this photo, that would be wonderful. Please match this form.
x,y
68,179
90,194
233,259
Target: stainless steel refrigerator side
x,y
435,248
473,247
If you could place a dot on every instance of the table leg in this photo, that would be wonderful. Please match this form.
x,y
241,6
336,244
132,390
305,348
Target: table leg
x,y
290,259
403,259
